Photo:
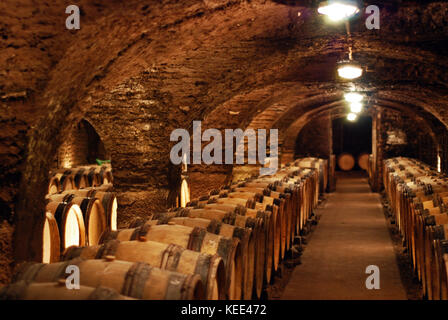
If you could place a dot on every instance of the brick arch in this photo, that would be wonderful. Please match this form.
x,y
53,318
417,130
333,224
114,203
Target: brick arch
x,y
187,59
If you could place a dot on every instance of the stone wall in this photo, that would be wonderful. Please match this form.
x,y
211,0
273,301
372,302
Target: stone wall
x,y
315,139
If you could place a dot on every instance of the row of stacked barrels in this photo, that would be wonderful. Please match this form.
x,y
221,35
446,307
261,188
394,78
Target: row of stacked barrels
x,y
79,178
418,197
80,207
225,245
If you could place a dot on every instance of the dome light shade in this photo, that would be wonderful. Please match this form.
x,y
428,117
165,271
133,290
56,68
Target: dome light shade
x,y
349,70
338,10
356,107
351,117
353,97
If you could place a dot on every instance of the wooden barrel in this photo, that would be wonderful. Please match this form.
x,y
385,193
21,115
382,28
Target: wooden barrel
x,y
226,217
22,290
80,178
51,242
53,186
255,219
65,181
273,237
346,162
86,193
275,222
196,239
110,205
321,165
108,187
363,161
70,223
165,256
244,235
133,279
92,211
94,218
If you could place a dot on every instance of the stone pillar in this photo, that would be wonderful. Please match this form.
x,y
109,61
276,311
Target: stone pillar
x,y
377,151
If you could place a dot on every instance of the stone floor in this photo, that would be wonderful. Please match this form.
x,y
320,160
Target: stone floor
x,y
352,234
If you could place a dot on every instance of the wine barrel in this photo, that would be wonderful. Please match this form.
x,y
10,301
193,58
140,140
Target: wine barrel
x,y
244,235
322,167
363,161
51,242
86,193
275,222
65,181
110,205
228,217
23,290
70,223
80,178
137,280
108,187
53,186
94,218
196,239
346,162
255,219
165,256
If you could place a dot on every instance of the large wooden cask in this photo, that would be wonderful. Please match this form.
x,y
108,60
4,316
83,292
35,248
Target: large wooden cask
x,y
346,162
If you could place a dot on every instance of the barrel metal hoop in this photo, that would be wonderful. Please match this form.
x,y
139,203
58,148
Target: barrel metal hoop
x,y
202,268
28,272
240,233
108,249
225,247
240,210
229,218
140,232
73,252
196,238
439,232
60,272
68,198
135,280
107,236
430,220
214,226
175,288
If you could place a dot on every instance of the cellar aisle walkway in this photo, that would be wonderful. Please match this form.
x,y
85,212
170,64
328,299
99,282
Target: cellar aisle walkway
x,y
351,235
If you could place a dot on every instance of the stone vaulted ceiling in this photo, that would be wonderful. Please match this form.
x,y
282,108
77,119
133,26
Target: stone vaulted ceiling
x,y
138,69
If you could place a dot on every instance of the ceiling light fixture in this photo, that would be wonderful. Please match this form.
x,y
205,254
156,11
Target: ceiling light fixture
x,y
356,107
351,117
349,69
353,97
338,10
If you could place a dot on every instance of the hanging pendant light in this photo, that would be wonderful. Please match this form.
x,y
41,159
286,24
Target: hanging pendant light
x,y
352,117
353,97
338,10
349,69
356,107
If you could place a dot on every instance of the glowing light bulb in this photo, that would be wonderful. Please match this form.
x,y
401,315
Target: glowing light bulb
x,y
337,11
353,97
356,107
349,71
351,117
